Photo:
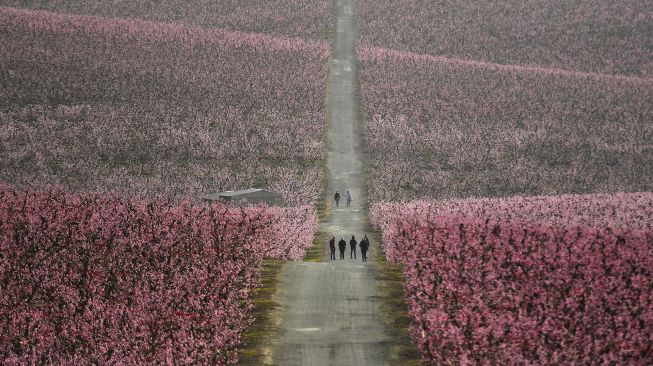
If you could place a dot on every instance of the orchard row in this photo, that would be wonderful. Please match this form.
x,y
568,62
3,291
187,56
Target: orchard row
x,y
543,281
91,279
156,109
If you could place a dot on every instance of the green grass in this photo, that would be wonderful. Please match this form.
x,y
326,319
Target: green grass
x,y
394,311
254,348
316,252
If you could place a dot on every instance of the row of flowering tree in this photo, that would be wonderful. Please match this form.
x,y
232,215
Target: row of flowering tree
x,y
307,19
440,128
474,100
600,36
151,108
90,279
543,280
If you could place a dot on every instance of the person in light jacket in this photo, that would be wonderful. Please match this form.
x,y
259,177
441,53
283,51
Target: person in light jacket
x,y
349,198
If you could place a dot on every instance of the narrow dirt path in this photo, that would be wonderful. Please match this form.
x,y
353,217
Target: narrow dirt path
x,y
329,311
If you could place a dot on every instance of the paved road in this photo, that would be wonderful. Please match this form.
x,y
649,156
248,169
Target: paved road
x,y
330,310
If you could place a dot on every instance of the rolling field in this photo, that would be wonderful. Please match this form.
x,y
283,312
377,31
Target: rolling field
x,y
308,19
164,109
594,36
549,107
437,129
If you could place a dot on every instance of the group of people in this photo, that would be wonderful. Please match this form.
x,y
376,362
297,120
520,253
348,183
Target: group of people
x,y
348,198
342,245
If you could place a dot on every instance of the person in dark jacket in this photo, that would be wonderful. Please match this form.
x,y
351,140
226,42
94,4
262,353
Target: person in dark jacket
x,y
352,246
365,245
332,246
337,198
342,245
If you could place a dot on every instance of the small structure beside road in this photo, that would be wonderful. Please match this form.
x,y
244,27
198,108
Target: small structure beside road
x,y
250,196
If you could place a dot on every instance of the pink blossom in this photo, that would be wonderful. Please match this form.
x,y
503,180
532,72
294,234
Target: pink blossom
x,y
526,280
147,282
159,109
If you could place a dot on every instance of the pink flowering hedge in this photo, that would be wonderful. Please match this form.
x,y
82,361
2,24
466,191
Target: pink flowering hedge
x,y
620,211
158,109
437,128
486,289
98,279
307,19
601,36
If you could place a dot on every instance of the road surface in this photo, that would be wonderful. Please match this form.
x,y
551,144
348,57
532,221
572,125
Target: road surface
x,y
329,311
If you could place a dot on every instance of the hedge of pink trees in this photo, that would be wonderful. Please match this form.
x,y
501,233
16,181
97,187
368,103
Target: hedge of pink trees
x,y
437,128
90,279
619,211
491,282
308,19
147,108
601,36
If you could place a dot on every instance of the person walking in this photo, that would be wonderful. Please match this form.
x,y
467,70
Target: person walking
x,y
349,198
337,198
332,246
352,246
365,245
342,245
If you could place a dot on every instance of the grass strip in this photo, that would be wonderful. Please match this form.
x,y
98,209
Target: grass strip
x,y
394,310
